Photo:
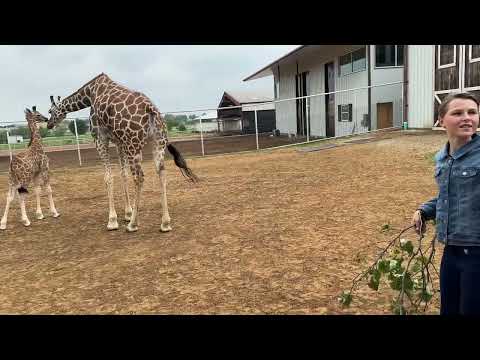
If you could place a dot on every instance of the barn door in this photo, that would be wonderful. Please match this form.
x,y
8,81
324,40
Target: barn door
x,y
384,115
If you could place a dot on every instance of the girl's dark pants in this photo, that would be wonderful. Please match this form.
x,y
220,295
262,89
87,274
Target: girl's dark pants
x,y
460,280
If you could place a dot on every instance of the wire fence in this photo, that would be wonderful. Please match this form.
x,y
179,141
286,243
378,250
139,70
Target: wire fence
x,y
254,126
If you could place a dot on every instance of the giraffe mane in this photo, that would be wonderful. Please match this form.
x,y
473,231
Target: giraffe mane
x,y
88,83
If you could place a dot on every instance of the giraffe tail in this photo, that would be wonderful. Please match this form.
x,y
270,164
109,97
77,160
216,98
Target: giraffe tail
x,y
182,164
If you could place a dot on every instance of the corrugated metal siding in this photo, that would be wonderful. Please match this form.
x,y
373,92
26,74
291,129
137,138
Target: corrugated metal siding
x,y
286,116
358,98
386,94
420,86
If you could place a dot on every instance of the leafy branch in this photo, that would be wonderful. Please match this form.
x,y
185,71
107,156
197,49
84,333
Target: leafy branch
x,y
413,281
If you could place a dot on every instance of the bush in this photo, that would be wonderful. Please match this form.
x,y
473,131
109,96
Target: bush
x,y
181,127
44,132
82,126
60,130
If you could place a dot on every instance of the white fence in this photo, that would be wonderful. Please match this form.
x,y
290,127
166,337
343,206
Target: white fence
x,y
297,120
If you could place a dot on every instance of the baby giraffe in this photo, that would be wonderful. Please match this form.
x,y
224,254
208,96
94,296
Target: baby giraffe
x,y
27,167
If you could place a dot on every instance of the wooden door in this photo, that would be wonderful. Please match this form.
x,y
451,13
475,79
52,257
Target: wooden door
x,y
384,115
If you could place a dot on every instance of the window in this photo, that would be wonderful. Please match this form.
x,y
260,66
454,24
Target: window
x,y
447,55
388,55
474,53
345,112
353,62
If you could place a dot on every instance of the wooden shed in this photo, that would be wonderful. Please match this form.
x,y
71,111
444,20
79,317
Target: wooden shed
x,y
241,119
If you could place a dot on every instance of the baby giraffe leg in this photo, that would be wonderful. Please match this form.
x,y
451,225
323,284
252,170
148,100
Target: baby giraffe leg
x,y
21,196
38,213
10,197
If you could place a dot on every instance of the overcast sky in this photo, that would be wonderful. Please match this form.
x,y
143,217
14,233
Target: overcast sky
x,y
176,78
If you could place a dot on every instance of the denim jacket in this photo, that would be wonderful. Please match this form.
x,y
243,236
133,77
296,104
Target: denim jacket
x,y
457,206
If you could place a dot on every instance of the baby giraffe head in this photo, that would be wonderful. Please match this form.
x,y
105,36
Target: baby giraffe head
x,y
33,116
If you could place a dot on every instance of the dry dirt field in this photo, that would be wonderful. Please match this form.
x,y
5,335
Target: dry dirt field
x,y
274,232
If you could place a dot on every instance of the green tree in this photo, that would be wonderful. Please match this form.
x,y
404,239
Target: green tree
x,y
21,131
61,129
3,137
82,126
181,127
44,132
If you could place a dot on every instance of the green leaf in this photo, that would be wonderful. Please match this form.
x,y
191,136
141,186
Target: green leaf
x,y
345,298
373,283
425,295
383,266
407,283
417,266
408,247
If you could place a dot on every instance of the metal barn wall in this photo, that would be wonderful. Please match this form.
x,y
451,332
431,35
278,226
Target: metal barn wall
x,y
316,85
286,116
420,86
385,94
358,99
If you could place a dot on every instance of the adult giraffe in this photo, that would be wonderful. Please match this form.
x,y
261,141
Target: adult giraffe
x,y
128,119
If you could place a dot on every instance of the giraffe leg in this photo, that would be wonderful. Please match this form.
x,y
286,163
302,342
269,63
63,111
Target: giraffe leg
x,y
48,188
53,210
38,213
102,148
137,172
158,158
10,197
124,182
24,219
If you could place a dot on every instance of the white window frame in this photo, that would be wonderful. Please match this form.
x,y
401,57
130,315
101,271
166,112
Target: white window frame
x,y
472,60
351,63
388,66
454,58
345,112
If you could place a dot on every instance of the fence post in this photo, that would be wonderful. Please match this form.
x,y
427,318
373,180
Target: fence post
x,y
78,144
9,149
256,128
308,118
354,110
201,136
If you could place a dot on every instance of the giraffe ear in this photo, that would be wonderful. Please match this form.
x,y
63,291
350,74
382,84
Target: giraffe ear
x,y
51,99
27,111
58,98
34,108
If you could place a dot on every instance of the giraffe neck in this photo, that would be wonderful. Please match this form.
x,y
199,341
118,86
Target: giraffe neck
x,y
77,101
35,138
84,97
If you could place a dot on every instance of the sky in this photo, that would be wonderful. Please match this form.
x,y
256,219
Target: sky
x,y
174,77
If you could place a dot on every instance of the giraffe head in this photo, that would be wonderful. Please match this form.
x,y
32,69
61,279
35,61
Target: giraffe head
x,y
34,116
57,114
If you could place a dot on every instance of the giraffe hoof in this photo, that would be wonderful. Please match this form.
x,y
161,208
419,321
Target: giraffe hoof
x,y
39,216
3,226
165,228
111,227
26,222
131,228
56,215
128,217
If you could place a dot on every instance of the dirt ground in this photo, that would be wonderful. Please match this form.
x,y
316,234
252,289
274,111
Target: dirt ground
x,y
274,232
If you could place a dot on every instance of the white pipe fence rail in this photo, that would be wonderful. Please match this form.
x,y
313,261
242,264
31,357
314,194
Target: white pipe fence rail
x,y
314,117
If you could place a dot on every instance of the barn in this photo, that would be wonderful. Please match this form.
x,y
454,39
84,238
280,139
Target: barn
x,y
241,118
433,71
334,70
367,87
